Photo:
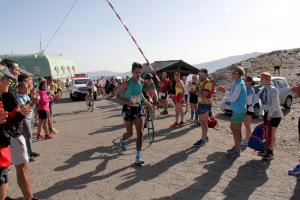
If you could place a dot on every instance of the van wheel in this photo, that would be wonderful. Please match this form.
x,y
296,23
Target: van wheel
x,y
288,102
72,97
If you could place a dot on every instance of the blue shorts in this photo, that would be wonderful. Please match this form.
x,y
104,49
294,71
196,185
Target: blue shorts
x,y
203,108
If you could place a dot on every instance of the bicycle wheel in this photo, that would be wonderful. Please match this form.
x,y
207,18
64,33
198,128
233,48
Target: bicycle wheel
x,y
150,128
88,101
92,103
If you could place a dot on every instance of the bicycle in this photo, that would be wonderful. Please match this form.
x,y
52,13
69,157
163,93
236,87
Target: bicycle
x,y
148,122
90,100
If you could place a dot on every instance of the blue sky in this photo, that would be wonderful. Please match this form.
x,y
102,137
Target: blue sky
x,y
193,30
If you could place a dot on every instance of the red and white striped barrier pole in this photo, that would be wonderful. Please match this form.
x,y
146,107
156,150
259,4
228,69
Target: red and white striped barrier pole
x,y
133,39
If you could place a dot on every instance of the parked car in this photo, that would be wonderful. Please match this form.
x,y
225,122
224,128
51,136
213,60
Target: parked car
x,y
79,87
285,95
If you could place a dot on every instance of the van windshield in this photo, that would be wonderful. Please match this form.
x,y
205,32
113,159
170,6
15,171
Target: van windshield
x,y
81,81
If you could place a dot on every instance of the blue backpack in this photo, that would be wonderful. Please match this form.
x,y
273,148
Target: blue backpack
x,y
259,138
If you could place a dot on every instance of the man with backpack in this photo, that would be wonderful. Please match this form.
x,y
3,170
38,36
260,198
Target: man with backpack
x,y
205,92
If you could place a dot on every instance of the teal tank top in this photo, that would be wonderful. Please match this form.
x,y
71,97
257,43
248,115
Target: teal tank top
x,y
133,89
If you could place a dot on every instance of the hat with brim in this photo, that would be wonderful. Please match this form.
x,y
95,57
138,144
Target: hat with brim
x,y
4,72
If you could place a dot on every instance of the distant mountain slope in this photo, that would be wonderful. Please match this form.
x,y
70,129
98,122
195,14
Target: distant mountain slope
x,y
106,73
225,62
290,66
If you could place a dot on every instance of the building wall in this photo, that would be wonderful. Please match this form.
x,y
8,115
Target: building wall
x,y
41,65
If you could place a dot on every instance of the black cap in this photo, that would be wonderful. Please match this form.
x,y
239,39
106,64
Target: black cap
x,y
148,76
203,70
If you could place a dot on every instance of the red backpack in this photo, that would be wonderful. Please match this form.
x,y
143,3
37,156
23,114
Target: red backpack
x,y
212,121
5,157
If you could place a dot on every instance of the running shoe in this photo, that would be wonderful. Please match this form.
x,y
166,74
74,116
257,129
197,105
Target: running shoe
x,y
244,142
164,112
34,154
269,156
295,170
235,153
54,131
39,137
122,145
139,160
199,143
48,137
175,125
231,149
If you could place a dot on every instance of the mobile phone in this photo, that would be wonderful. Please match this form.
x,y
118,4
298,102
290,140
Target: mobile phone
x,y
1,105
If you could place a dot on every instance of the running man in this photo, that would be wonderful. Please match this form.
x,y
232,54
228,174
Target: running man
x,y
131,96
205,94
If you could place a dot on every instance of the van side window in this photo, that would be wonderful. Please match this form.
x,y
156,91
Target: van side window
x,y
281,83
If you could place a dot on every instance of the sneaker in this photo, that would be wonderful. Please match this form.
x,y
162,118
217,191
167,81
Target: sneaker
x,y
199,143
269,156
122,145
295,170
39,137
54,131
235,153
262,153
174,125
34,154
164,112
48,137
206,139
139,160
244,142
31,159
232,148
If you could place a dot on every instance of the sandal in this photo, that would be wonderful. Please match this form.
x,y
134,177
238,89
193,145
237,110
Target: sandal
x,y
181,123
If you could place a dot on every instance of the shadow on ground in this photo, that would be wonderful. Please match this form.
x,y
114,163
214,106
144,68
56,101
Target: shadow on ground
x,y
81,181
149,172
240,187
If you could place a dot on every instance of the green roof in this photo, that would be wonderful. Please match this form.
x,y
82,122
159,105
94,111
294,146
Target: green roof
x,y
45,64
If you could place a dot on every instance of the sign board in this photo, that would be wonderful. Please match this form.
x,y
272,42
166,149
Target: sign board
x,y
81,75
246,65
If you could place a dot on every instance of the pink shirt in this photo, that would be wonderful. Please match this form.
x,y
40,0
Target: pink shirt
x,y
44,101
